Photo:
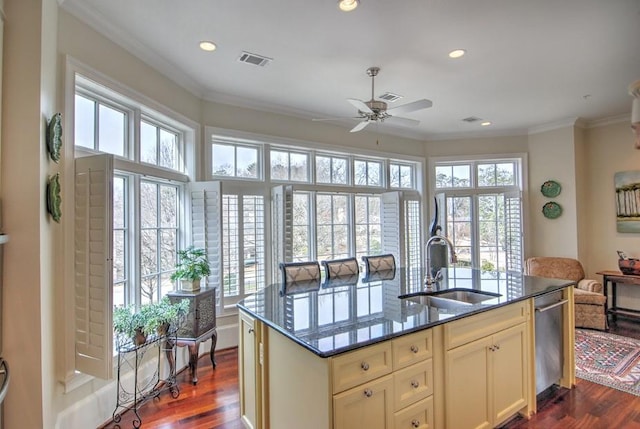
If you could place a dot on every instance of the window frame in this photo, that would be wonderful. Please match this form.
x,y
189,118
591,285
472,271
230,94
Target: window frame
x,y
89,82
474,191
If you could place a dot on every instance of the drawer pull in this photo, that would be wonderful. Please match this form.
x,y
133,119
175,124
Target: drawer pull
x,y
251,330
415,384
364,366
415,423
497,347
414,349
368,393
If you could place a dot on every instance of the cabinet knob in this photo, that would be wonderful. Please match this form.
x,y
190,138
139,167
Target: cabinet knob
x,y
251,330
364,366
497,347
414,349
415,423
368,393
415,384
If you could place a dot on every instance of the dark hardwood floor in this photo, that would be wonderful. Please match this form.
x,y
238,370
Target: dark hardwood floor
x,y
214,402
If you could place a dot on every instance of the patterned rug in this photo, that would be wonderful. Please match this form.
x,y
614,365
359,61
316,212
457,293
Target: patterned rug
x,y
608,359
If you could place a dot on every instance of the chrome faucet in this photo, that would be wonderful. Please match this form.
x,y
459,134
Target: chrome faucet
x,y
429,279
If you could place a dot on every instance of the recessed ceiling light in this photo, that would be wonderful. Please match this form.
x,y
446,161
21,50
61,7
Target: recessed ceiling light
x,y
208,46
457,53
348,5
485,123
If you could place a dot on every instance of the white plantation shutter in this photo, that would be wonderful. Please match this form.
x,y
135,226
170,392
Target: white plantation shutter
x,y
513,231
93,287
393,226
206,230
282,228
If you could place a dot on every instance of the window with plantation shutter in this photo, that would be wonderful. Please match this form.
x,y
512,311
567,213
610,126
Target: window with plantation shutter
x,y
282,224
93,265
206,231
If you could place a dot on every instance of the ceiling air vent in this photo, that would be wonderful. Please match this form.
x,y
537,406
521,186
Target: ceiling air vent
x,y
254,59
390,97
471,119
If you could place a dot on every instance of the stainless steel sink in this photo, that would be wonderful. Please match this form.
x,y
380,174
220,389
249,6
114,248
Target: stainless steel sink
x,y
469,296
450,298
436,301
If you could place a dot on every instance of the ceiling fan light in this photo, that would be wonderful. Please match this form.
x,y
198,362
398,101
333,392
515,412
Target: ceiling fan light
x,y
348,5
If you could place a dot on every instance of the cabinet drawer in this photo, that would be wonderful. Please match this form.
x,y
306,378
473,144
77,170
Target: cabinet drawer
x,y
360,366
471,328
413,383
412,348
416,416
367,406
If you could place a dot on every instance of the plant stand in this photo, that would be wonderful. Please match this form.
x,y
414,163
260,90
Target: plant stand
x,y
130,357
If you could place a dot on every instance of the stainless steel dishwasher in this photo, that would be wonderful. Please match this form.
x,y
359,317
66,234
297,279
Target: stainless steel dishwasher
x,y
549,355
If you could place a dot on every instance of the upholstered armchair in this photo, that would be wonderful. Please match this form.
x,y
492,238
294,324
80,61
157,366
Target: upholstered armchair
x,y
590,302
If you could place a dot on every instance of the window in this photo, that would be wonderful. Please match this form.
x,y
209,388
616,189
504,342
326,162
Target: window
x,y
331,169
289,166
158,238
481,212
233,160
332,226
367,173
159,146
129,205
243,246
329,206
100,126
402,176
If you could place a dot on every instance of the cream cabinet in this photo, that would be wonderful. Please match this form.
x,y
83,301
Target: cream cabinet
x,y
390,385
486,374
250,370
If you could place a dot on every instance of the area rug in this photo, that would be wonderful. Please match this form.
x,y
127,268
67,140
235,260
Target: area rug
x,y
608,359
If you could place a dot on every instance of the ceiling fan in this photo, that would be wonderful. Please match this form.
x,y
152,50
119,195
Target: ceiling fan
x,y
377,110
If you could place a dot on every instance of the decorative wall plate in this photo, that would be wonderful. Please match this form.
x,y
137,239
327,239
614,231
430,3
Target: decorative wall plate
x,y
551,210
550,189
54,136
53,197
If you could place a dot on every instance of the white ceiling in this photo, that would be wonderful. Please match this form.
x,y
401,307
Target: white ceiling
x,y
529,64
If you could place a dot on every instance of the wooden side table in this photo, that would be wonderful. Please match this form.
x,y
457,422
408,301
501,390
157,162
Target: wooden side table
x,y
613,278
199,326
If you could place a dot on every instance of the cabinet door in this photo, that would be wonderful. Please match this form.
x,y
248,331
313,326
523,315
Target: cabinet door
x,y
468,385
509,372
248,368
369,406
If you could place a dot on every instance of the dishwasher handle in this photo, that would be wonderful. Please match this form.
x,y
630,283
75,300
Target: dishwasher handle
x,y
550,306
4,369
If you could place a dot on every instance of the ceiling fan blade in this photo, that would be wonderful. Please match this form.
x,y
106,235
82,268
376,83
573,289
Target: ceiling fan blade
x,y
360,126
411,107
396,120
360,105
337,118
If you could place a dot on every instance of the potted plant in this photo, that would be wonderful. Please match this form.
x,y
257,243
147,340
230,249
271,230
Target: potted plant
x,y
158,317
129,324
191,267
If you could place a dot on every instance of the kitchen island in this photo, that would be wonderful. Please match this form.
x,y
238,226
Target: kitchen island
x,y
353,353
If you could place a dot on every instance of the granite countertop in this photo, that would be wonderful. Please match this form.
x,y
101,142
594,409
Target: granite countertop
x,y
335,317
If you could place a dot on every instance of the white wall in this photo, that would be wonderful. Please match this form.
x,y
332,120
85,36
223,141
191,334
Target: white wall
x,y
29,95
552,157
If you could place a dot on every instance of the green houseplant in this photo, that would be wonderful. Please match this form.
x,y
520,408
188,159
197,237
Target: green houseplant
x,y
129,324
191,267
158,317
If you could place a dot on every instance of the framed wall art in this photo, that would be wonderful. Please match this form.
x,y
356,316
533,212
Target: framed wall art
x,y
627,199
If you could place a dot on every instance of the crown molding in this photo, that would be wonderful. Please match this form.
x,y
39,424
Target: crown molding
x,y
609,120
550,126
